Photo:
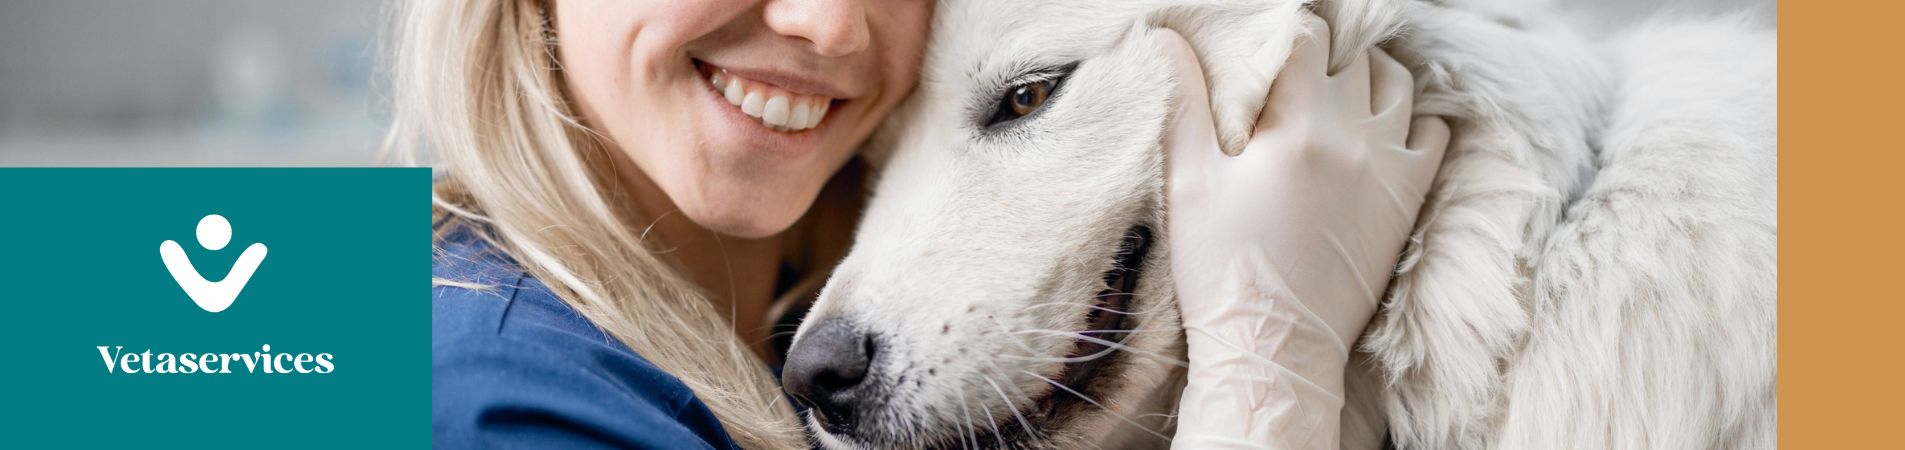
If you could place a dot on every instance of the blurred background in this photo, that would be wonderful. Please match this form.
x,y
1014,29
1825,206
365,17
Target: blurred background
x,y
265,82
190,82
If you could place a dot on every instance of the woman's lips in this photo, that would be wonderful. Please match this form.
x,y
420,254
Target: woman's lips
x,y
775,107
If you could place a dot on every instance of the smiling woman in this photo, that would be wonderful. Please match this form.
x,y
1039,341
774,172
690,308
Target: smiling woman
x,y
628,187
730,161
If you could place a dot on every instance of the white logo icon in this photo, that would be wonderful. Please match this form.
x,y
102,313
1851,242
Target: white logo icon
x,y
214,296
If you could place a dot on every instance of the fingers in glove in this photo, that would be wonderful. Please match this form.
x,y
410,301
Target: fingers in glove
x,y
1191,140
1352,83
1429,138
1305,73
1392,95
1312,52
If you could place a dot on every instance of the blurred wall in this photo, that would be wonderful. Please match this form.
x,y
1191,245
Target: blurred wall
x,y
189,82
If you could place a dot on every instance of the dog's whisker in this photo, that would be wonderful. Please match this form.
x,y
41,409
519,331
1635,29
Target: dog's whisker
x,y
1169,419
1068,359
1020,342
967,439
994,369
991,422
1076,305
1094,402
771,337
1037,438
1046,331
1016,339
1024,423
1012,406
1111,346
1153,308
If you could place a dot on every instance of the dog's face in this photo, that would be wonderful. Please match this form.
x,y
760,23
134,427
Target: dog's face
x,y
1009,284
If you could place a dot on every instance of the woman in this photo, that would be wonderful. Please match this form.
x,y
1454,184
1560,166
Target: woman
x,y
601,198
627,189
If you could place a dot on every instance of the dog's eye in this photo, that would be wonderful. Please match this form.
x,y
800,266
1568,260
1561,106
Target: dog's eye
x,y
1025,95
1029,97
1023,100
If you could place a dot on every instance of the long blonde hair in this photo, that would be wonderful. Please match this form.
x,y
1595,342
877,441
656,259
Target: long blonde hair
x,y
475,83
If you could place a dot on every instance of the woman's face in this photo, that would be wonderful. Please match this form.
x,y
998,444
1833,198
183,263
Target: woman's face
x,y
738,110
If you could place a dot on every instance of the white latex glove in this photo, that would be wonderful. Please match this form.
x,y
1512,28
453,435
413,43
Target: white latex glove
x,y
1281,252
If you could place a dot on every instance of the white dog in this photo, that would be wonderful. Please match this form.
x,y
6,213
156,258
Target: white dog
x,y
1595,266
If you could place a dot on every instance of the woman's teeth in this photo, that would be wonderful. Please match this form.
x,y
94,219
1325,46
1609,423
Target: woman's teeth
x,y
775,107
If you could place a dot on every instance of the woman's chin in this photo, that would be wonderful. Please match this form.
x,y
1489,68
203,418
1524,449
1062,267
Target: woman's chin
x,y
750,218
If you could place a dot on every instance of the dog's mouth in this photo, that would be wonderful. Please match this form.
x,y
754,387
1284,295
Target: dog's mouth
x,y
1094,353
1105,324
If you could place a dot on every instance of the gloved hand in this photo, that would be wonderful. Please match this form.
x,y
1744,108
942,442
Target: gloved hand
x,y
1280,253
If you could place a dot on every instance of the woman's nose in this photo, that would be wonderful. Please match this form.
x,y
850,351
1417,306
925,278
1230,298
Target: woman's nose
x,y
835,27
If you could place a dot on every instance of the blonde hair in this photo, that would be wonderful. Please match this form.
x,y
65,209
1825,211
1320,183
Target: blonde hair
x,y
476,83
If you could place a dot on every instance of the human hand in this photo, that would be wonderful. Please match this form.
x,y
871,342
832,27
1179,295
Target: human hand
x,y
1280,253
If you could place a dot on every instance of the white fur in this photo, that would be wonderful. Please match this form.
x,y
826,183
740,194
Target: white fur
x,y
1564,297
1595,268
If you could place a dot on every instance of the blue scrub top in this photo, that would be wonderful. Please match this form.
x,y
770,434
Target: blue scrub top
x,y
515,367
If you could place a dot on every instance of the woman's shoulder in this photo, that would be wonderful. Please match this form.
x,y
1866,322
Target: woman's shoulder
x,y
512,363
477,289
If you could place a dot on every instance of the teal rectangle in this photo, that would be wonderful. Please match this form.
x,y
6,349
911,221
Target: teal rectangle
x,y
346,274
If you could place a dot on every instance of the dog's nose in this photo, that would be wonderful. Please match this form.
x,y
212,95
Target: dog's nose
x,y
825,366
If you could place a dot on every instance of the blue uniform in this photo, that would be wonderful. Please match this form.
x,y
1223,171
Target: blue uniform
x,y
515,367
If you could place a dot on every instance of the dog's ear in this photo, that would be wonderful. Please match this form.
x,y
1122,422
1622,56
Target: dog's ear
x,y
1243,44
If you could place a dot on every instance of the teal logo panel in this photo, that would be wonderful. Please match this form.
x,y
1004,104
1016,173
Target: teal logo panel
x,y
215,308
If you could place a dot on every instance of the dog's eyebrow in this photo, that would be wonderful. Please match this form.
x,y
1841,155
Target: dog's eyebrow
x,y
1020,72
989,84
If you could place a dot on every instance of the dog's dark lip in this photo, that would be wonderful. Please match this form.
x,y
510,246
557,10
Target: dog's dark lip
x,y
1106,319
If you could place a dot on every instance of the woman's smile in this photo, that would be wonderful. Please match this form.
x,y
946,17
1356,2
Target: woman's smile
x,y
785,118
780,106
